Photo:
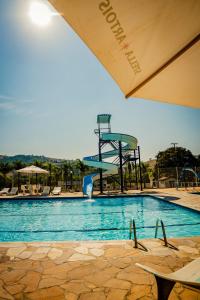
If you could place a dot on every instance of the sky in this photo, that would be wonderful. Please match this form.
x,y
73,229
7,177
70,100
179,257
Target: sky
x,y
52,88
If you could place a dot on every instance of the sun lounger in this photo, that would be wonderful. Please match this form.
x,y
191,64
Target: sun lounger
x,y
25,189
14,191
32,189
37,188
188,276
4,191
46,191
56,190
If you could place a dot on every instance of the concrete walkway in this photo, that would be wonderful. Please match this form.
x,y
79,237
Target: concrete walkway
x,y
91,270
185,198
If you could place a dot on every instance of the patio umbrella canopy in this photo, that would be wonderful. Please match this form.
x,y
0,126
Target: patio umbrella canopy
x,y
33,170
151,48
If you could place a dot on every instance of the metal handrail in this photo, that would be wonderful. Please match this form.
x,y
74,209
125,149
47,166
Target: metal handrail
x,y
163,231
130,229
166,243
133,230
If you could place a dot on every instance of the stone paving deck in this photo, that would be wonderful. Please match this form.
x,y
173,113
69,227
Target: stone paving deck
x,y
181,197
96,270
91,270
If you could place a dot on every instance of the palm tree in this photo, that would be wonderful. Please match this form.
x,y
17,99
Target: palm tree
x,y
57,171
66,169
38,163
145,173
49,166
4,169
18,164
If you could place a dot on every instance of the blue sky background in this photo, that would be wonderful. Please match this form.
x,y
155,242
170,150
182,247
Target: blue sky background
x,y
52,87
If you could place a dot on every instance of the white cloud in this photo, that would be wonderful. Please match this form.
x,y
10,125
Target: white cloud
x,y
16,105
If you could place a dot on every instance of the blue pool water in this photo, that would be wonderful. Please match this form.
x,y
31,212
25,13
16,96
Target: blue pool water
x,y
104,219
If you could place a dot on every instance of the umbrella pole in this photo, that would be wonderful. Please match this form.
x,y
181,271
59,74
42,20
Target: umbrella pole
x,y
36,182
18,181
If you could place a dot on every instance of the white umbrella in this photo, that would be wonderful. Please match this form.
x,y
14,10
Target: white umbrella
x,y
33,170
151,48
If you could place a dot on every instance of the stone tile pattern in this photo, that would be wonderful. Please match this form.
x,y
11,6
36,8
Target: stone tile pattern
x,y
91,270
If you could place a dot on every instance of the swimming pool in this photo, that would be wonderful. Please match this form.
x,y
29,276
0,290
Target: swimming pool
x,y
104,219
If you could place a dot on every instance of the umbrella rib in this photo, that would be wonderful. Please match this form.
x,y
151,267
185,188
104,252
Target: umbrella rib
x,y
165,65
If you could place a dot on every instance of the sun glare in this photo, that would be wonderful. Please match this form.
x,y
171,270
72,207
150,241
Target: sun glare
x,y
40,14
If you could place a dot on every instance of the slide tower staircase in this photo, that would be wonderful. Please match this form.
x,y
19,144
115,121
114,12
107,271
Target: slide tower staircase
x,y
109,163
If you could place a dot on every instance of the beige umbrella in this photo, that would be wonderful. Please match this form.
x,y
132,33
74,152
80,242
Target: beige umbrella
x,y
33,170
151,48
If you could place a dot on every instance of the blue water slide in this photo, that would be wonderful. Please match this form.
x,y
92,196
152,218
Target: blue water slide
x,y
88,184
129,144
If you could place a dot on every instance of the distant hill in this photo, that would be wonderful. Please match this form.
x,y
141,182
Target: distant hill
x,y
28,159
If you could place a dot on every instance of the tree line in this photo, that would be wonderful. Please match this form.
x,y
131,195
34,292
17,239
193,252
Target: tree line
x,y
66,172
71,173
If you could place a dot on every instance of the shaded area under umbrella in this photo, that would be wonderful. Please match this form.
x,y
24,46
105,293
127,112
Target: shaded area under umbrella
x,y
32,170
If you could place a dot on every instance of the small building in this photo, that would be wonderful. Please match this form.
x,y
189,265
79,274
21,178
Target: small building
x,y
167,182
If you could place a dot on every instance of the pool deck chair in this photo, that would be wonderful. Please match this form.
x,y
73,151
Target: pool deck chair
x,y
46,191
13,191
4,191
189,276
56,190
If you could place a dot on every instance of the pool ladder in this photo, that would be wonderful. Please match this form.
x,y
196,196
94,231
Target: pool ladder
x,y
132,230
166,243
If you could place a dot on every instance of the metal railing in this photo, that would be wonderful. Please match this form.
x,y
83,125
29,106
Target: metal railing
x,y
166,243
139,245
132,230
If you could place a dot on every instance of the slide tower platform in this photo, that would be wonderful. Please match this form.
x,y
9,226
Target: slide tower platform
x,y
109,163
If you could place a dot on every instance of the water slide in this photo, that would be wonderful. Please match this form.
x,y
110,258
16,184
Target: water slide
x,y
191,170
129,144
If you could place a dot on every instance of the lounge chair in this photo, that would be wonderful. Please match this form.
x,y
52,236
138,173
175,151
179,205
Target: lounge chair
x,y
46,191
4,191
23,189
32,188
56,190
188,276
37,189
14,191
